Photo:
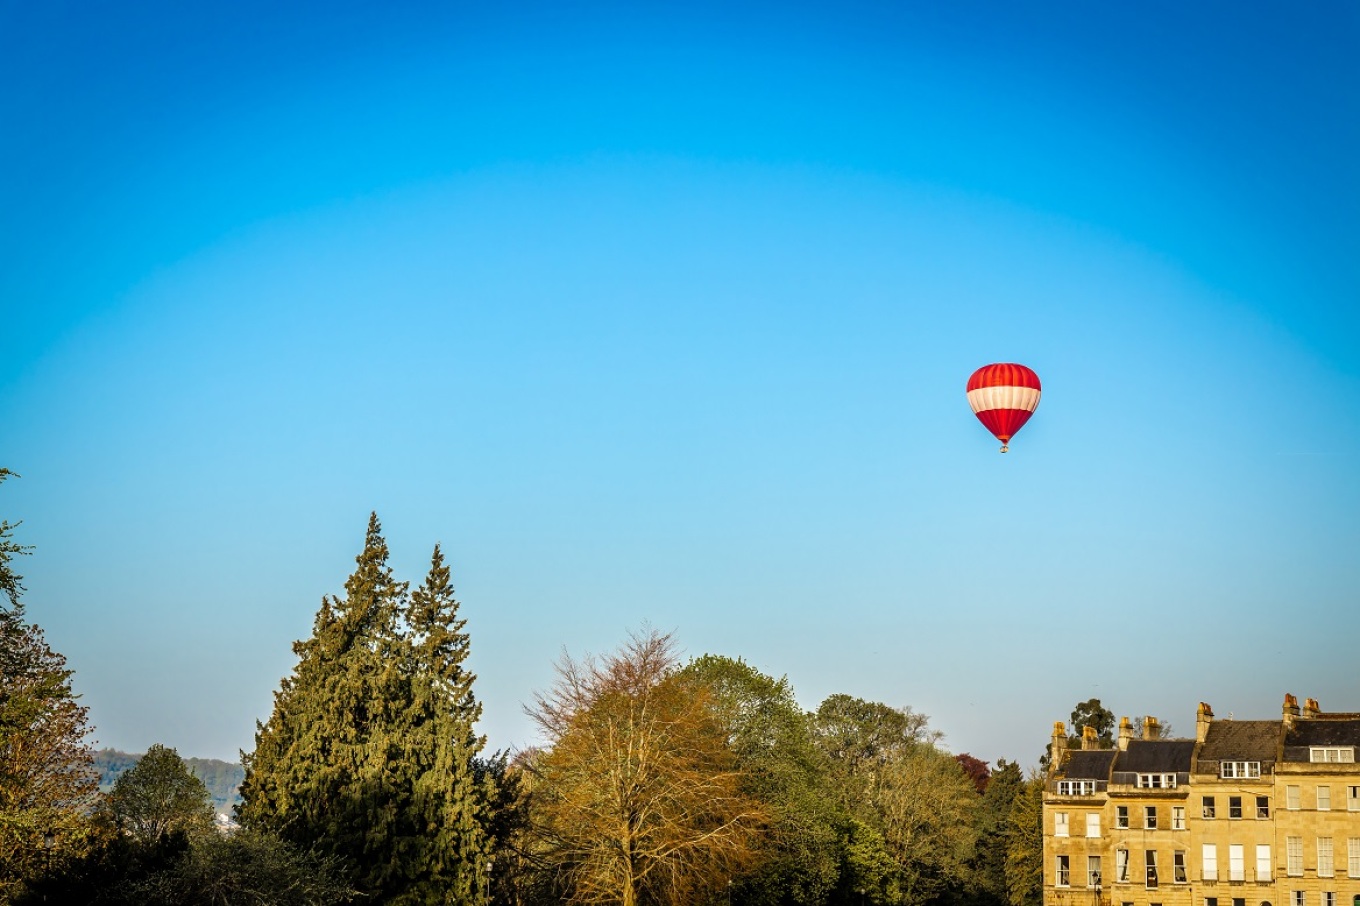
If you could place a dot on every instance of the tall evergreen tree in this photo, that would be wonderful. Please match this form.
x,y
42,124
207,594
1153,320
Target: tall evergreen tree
x,y
369,752
451,797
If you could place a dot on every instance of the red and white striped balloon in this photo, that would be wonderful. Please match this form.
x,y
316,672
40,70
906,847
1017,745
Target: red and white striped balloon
x,y
1003,397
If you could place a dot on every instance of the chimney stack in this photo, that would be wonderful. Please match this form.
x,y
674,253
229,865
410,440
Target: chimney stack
x,y
1125,733
1203,717
1291,710
1089,739
1311,708
1151,728
1057,747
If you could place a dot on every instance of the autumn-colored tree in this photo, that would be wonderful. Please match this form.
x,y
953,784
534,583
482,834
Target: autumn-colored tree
x,y
637,799
47,780
976,769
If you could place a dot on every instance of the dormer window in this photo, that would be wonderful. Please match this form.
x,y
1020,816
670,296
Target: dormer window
x,y
1076,787
1156,781
1239,769
1331,754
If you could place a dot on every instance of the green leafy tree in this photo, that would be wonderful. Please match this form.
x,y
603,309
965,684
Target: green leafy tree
x,y
859,737
368,755
782,767
1091,713
911,800
927,808
160,796
47,781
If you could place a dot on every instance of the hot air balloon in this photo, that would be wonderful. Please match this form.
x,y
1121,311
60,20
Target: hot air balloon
x,y
1003,397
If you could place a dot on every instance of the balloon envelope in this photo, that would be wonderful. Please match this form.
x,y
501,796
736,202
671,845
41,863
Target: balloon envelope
x,y
1003,397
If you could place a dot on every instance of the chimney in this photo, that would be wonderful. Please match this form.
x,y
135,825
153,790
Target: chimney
x,y
1291,710
1125,733
1089,739
1311,708
1151,728
1057,747
1203,717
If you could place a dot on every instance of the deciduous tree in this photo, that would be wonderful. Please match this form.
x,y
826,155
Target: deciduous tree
x,y
781,766
47,780
160,796
909,798
637,796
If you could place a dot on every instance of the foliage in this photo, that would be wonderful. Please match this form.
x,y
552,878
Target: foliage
x,y
927,808
910,800
1091,713
859,737
244,867
160,796
209,870
368,755
1005,782
451,792
11,583
46,781
637,798
1025,847
780,766
976,769
222,778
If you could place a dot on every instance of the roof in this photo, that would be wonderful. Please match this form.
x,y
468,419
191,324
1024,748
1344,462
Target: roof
x,y
1087,764
1157,756
1341,730
1240,740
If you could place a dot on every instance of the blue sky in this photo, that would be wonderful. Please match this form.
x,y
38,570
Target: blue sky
x,y
663,314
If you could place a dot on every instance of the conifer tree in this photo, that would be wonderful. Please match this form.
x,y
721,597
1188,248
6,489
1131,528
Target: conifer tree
x,y
322,773
451,798
369,752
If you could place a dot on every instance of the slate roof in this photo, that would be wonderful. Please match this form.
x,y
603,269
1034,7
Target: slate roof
x,y
1088,764
1339,730
1239,740
1156,756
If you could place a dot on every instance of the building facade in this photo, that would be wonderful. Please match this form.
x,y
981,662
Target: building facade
x,y
1247,813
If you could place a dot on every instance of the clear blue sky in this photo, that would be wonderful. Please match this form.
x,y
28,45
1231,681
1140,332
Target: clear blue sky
x,y
663,314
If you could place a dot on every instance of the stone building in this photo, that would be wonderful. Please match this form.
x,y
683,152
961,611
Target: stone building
x,y
1247,813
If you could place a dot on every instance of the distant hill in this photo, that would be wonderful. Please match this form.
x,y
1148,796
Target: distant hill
x,y
222,778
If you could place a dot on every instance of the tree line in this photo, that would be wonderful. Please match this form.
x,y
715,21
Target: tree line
x,y
659,781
